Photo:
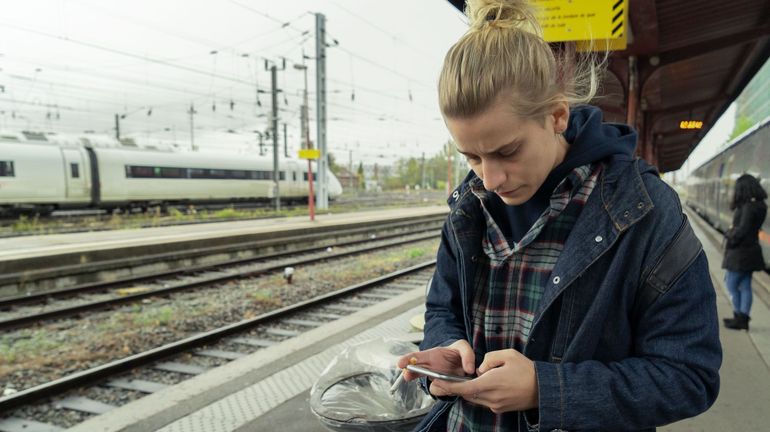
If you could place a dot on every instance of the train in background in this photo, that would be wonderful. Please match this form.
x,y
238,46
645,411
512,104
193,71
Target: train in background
x,y
41,173
710,186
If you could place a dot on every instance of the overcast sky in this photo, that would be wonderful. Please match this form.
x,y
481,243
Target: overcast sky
x,y
71,65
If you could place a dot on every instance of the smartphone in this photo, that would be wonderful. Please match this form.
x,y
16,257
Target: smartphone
x,y
433,374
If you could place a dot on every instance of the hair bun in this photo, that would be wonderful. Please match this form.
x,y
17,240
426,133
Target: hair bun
x,y
502,14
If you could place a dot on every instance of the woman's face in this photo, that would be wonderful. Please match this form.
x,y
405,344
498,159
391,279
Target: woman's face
x,y
512,155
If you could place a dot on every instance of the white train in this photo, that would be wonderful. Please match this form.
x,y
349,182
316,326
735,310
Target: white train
x,y
46,172
710,186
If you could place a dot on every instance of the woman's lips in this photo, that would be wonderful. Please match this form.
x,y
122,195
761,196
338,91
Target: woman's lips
x,y
509,193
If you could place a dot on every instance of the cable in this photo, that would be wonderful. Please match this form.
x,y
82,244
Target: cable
x,y
380,29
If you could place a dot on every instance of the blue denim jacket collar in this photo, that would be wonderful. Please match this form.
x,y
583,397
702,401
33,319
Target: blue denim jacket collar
x,y
619,201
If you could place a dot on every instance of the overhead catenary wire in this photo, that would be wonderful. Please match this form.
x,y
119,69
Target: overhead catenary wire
x,y
219,92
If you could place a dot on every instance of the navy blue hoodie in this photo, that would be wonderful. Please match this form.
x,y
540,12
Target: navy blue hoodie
x,y
589,140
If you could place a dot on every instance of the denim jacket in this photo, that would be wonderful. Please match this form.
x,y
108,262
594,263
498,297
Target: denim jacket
x,y
599,365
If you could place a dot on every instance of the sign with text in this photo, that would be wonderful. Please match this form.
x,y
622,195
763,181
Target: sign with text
x,y
601,21
310,154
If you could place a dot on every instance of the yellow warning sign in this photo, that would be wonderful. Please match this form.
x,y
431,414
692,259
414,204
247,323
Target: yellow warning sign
x,y
310,154
600,21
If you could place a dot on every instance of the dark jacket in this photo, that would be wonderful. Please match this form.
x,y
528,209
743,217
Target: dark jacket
x,y
742,250
599,365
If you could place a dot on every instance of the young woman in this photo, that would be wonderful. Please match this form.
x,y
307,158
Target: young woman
x,y
743,255
568,280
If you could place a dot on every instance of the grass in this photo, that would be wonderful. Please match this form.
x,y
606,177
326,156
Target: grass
x,y
415,252
154,317
37,342
25,224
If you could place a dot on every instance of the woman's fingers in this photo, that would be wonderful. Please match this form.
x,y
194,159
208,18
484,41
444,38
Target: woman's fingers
x,y
467,356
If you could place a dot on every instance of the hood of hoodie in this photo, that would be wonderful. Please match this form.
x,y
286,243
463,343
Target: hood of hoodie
x,y
590,140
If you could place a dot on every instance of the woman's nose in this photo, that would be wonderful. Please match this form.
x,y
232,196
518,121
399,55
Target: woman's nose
x,y
493,175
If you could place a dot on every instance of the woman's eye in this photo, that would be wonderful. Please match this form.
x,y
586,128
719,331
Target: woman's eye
x,y
472,159
508,153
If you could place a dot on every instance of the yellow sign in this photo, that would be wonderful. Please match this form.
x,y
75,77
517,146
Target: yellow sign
x,y
690,124
309,154
601,21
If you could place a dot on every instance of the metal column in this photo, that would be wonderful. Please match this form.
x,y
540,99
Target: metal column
x,y
322,193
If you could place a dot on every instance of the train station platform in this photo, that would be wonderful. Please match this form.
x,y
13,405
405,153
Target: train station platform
x,y
269,390
33,265
19,248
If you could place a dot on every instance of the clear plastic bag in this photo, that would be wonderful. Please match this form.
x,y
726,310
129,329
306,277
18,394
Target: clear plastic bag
x,y
353,392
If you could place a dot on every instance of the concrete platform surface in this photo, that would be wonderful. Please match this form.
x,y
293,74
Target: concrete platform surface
x,y
16,248
744,397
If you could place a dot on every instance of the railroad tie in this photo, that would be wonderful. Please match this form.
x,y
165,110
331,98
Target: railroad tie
x,y
182,368
260,343
84,404
275,331
137,385
220,354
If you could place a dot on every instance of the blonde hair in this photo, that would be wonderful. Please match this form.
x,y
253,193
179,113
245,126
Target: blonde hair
x,y
504,52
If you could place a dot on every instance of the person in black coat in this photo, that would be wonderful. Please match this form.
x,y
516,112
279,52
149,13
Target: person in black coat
x,y
743,255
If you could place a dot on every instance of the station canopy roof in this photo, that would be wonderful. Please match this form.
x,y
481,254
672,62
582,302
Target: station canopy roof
x,y
689,59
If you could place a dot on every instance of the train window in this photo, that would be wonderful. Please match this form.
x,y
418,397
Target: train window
x,y
199,173
75,170
173,172
217,174
263,175
6,169
238,174
304,176
294,175
282,175
139,171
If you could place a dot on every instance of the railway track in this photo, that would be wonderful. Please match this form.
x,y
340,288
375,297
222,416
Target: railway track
x,y
76,397
37,278
25,310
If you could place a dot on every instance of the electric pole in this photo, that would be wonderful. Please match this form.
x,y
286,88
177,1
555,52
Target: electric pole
x,y
274,124
323,163
192,127
285,143
306,140
422,171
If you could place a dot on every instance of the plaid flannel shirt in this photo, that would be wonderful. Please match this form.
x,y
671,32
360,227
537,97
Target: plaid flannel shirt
x,y
510,281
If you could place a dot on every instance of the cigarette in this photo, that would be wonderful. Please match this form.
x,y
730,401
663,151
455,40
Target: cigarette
x,y
398,382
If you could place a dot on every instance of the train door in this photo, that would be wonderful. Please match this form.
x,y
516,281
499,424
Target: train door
x,y
75,173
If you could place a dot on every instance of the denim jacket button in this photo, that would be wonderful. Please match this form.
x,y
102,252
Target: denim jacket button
x,y
556,280
455,194
626,213
598,239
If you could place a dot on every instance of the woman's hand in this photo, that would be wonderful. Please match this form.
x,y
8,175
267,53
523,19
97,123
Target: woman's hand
x,y
506,382
455,359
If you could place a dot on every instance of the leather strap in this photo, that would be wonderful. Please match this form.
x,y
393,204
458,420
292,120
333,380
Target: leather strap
x,y
677,257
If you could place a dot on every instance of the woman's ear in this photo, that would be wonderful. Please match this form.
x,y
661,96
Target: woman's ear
x,y
560,116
